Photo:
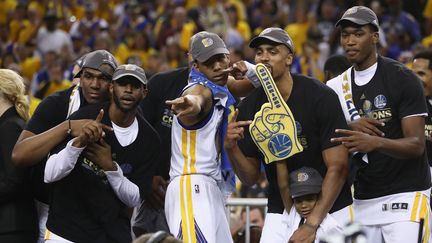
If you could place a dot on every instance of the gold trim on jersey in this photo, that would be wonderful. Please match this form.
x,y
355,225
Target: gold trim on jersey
x,y
421,211
47,234
186,207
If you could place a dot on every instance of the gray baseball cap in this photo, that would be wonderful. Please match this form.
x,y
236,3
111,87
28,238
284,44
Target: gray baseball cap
x,y
360,15
205,45
304,181
130,70
274,34
96,59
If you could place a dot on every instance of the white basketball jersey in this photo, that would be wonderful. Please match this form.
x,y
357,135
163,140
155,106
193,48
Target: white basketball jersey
x,y
196,150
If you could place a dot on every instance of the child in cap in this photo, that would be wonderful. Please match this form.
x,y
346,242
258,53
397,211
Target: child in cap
x,y
304,189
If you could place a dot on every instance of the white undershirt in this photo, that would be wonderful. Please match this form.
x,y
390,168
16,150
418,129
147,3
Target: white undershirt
x,y
61,164
363,77
126,135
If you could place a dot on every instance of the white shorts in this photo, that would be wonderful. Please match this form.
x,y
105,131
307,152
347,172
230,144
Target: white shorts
x,y
275,228
399,232
396,217
195,210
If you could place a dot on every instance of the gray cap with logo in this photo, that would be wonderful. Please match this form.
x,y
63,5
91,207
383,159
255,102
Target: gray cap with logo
x,y
360,15
96,59
304,181
131,70
205,45
274,34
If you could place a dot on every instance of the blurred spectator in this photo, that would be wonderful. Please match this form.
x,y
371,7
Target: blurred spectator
x,y
334,66
50,37
256,216
401,29
90,26
54,83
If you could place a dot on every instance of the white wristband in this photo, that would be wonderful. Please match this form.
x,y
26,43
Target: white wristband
x,y
251,74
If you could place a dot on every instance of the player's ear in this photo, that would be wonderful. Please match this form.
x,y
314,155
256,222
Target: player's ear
x,y
289,59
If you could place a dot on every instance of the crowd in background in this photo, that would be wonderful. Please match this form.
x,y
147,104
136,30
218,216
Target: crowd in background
x,y
43,39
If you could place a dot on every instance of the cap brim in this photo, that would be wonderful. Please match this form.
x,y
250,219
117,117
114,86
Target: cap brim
x,y
125,74
302,190
353,20
257,40
220,50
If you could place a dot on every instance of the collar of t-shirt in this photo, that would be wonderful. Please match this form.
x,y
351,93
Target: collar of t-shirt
x,y
363,77
126,135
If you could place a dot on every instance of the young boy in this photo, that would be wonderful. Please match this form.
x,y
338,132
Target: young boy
x,y
304,189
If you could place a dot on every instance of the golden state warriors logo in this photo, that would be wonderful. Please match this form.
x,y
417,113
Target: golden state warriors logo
x,y
280,145
274,129
302,177
207,42
380,101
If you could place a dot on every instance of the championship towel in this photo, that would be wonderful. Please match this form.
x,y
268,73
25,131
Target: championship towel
x,y
273,129
342,86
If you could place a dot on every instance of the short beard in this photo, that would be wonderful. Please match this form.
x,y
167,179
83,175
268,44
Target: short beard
x,y
118,104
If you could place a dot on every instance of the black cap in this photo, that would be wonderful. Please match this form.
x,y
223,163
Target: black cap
x,y
274,34
130,70
360,15
205,45
96,59
304,181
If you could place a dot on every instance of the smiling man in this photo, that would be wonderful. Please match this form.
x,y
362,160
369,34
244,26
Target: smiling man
x,y
99,173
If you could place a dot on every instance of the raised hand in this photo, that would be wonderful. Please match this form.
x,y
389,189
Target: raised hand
x,y
187,105
91,132
234,131
273,128
238,70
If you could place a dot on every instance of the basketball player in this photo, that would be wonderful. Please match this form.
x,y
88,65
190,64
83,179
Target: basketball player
x,y
392,184
317,114
195,205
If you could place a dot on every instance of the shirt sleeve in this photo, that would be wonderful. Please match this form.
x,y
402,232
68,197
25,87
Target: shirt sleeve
x,y
44,118
330,117
61,164
125,190
411,100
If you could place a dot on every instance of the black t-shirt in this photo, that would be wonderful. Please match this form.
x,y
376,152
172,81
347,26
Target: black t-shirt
x,y
394,92
49,113
317,113
84,207
163,86
428,132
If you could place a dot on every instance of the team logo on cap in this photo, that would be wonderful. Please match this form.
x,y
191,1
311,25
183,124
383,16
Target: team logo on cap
x,y
207,42
266,31
351,10
302,177
130,67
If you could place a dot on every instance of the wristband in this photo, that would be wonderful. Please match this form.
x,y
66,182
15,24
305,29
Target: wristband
x,y
69,131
